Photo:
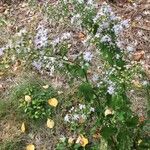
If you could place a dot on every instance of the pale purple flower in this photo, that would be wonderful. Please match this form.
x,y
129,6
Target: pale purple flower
x,y
55,41
145,83
117,29
80,1
66,118
87,56
66,36
106,38
120,44
37,65
1,51
95,77
125,23
75,117
92,109
111,90
41,38
130,48
75,18
82,106
90,2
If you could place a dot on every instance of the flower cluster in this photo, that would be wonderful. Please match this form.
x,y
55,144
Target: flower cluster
x,y
41,38
78,114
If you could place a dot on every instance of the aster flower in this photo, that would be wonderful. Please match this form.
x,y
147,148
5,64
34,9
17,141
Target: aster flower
x,y
80,1
92,109
67,118
87,56
76,19
117,29
55,41
95,77
41,38
76,117
130,48
81,106
111,90
66,36
106,38
37,65
1,51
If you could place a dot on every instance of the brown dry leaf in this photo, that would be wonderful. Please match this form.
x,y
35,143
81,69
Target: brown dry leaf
x,y
141,119
81,36
30,147
96,136
2,8
16,65
138,55
23,128
50,123
81,120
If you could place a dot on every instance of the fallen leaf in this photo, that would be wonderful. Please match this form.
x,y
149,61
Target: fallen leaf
x,y
108,111
23,128
53,102
81,36
60,92
46,86
30,147
81,120
50,123
71,140
82,140
138,55
16,65
136,83
1,73
130,1
28,98
141,119
139,142
96,136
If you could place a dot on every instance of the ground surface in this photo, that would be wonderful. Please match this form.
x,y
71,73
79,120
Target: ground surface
x,y
21,15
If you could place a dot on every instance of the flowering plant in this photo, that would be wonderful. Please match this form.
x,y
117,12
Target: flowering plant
x,y
88,53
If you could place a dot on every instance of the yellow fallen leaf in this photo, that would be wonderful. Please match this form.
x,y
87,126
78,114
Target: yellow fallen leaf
x,y
136,83
30,147
139,142
131,1
108,111
53,102
50,123
46,86
23,128
28,98
71,140
82,140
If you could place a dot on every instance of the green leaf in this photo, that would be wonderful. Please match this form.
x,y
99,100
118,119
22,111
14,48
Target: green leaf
x,y
86,91
132,122
95,28
106,132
